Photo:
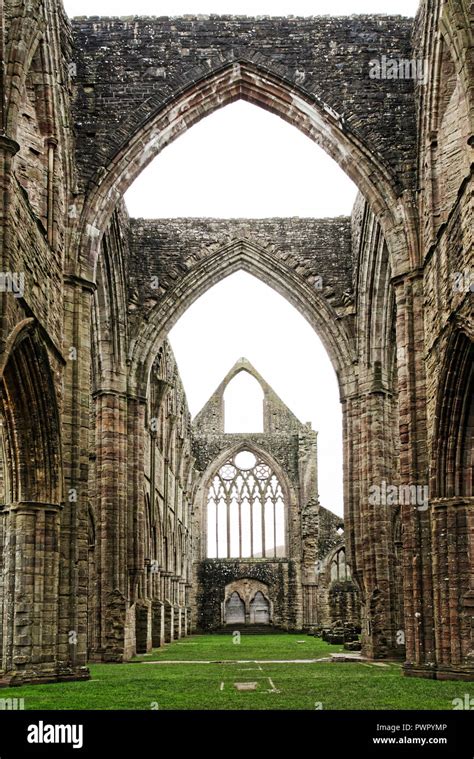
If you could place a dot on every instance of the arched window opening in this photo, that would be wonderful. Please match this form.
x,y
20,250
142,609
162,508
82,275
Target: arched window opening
x,y
240,141
257,332
340,570
243,404
245,510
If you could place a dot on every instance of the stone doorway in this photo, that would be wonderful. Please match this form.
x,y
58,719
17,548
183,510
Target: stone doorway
x,y
247,602
259,610
234,610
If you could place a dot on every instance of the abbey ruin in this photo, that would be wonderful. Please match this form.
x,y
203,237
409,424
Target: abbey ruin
x,y
124,523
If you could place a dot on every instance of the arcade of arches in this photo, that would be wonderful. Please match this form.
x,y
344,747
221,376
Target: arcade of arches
x,y
124,523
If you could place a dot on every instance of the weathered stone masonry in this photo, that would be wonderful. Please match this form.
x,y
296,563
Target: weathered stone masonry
x,y
296,582
99,491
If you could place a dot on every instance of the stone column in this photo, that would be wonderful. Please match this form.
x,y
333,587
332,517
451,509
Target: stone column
x,y
72,639
112,528
369,461
2,586
136,409
158,624
416,521
30,542
453,586
135,483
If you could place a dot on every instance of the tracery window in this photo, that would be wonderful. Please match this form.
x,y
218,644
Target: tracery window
x,y
245,510
340,570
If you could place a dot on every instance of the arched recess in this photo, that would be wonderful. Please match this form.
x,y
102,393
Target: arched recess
x,y
258,85
246,256
32,122
452,465
30,514
234,609
452,505
30,412
451,130
201,489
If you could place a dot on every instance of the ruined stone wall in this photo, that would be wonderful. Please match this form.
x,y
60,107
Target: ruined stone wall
x,y
281,577
163,251
312,530
141,476
445,314
35,174
323,534
128,68
169,473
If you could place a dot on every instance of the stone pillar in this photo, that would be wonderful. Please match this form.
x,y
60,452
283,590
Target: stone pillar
x,y
416,521
30,538
369,461
111,503
72,637
2,585
158,624
143,626
169,621
135,492
453,586
177,623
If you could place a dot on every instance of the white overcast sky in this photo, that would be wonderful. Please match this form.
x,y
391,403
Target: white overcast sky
x,y
236,7
244,162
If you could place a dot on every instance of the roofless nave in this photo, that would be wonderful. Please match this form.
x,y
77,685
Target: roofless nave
x,y
106,481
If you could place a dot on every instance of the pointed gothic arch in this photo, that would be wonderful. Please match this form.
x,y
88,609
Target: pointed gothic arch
x,y
452,465
241,255
30,515
258,84
202,486
31,419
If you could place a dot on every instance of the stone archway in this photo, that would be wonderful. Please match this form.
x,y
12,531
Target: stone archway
x,y
32,516
247,601
241,255
234,609
162,122
258,84
259,610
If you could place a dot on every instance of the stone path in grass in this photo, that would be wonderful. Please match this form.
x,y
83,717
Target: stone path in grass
x,y
332,658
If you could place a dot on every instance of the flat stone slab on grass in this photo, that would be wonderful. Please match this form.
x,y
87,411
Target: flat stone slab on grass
x,y
245,686
347,657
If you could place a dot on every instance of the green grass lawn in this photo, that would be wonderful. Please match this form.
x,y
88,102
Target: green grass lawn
x,y
223,648
286,686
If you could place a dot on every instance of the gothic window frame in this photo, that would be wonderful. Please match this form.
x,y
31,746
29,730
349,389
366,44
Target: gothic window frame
x,y
335,561
271,476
